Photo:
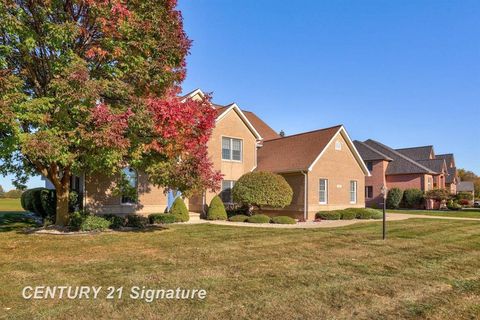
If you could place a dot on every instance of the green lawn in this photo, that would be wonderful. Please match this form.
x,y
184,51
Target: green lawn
x,y
465,213
426,269
10,205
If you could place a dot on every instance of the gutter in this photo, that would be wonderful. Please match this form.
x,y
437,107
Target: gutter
x,y
305,195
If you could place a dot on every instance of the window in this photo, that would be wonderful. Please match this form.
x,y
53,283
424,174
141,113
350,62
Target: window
x,y
338,145
369,192
353,192
226,194
369,165
129,188
323,191
231,149
429,183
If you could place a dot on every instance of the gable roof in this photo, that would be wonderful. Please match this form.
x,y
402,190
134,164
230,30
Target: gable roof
x,y
465,186
401,164
418,153
437,165
264,129
223,111
300,152
368,153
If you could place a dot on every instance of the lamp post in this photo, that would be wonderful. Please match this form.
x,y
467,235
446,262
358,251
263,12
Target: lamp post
x,y
384,192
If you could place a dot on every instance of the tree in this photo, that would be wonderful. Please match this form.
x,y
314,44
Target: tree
x,y
262,189
91,86
2,192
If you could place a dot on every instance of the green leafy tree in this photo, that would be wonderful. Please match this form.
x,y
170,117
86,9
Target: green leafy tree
x,y
412,197
91,86
262,189
394,197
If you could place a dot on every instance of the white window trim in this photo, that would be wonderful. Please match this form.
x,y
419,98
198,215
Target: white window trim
x,y
231,149
355,183
326,191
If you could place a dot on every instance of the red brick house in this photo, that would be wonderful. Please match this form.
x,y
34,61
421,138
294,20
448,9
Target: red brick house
x,y
416,167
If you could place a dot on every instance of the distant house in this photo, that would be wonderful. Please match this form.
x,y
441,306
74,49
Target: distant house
x,y
466,186
416,167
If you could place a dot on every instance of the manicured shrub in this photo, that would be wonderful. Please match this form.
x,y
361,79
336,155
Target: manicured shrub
x,y
161,218
377,214
116,221
24,201
412,198
238,218
348,214
179,210
394,197
259,218
136,221
453,205
216,210
329,215
262,189
437,194
283,220
93,223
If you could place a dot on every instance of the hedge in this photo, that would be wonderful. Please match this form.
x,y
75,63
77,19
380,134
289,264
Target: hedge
x,y
216,210
179,210
394,197
161,218
283,220
238,218
412,198
348,214
259,218
329,215
136,221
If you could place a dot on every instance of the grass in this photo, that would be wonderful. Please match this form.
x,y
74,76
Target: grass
x,y
426,269
465,213
7,204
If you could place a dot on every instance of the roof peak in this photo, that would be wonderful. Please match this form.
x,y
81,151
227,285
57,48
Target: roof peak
x,y
306,132
428,146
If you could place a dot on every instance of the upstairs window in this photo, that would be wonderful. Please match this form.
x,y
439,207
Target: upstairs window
x,y
231,149
353,192
369,165
226,194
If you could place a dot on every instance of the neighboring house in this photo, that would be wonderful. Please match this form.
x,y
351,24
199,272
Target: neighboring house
x,y
452,178
466,186
395,168
323,167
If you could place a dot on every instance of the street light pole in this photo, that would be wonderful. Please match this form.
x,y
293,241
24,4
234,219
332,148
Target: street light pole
x,y
384,193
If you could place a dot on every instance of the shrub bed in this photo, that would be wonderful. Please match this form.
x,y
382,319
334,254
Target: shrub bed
x,y
116,222
259,218
238,218
136,221
283,220
161,218
348,214
94,223
329,215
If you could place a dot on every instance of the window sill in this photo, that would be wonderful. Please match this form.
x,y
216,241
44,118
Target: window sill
x,y
235,161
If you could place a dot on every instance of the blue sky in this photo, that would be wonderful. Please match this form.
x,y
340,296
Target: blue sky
x,y
405,73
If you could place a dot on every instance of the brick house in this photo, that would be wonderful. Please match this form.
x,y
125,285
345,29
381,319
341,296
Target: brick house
x,y
416,167
323,168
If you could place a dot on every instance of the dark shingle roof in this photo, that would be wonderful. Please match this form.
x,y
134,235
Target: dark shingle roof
x,y
368,153
401,164
465,186
294,153
437,165
418,153
451,168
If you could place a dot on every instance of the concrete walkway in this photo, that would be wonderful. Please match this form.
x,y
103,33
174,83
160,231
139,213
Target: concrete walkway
x,y
324,223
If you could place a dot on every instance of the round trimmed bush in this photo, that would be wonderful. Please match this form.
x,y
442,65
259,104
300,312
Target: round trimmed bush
x,y
329,215
348,214
259,218
161,218
394,197
216,210
238,218
412,198
179,210
283,220
262,189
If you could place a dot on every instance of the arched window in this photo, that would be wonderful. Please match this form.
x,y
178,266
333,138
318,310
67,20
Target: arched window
x,y
129,185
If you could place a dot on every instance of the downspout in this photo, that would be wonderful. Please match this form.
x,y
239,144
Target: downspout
x,y
305,195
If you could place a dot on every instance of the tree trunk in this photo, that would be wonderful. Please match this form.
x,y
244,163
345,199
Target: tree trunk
x,y
62,205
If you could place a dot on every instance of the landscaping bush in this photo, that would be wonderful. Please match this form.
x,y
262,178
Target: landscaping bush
x,y
259,218
48,199
239,218
412,198
77,218
136,221
161,218
116,222
179,210
216,210
377,214
348,214
453,205
92,223
394,197
262,189
437,194
463,202
234,210
329,215
283,220
464,195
